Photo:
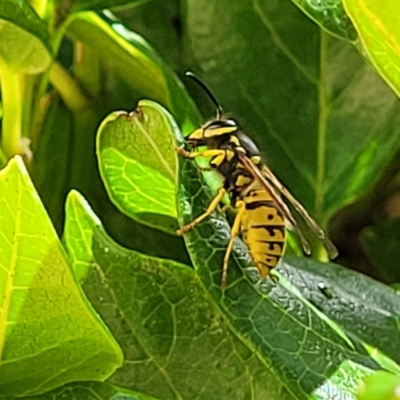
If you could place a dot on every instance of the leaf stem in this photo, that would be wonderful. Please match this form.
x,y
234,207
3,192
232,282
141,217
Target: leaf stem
x,y
322,127
12,109
87,68
3,158
68,88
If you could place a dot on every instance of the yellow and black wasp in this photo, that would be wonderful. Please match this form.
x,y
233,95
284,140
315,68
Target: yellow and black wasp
x,y
262,216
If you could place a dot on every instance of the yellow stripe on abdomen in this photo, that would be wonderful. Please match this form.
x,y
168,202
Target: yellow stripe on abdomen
x,y
263,230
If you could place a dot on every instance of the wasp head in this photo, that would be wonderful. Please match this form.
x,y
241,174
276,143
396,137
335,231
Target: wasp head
x,y
212,132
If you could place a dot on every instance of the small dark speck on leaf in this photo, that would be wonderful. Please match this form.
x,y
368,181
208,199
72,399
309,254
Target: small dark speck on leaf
x,y
177,24
327,291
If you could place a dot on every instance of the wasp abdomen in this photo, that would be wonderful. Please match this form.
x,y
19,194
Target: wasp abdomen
x,y
263,230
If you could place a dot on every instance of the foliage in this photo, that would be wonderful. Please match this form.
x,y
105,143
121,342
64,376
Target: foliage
x,y
121,307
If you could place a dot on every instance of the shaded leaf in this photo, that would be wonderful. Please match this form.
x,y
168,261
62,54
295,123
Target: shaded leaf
x,y
330,16
49,334
25,43
53,151
137,162
363,307
381,244
378,28
160,23
176,342
306,97
282,327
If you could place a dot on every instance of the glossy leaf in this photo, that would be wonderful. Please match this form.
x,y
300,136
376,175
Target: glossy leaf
x,y
364,308
49,334
282,327
325,122
173,336
330,16
25,43
138,163
78,233
136,63
378,27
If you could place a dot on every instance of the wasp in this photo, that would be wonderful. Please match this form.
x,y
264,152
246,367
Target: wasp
x,y
254,191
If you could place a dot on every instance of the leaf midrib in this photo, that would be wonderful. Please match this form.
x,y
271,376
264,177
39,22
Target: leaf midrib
x,y
155,147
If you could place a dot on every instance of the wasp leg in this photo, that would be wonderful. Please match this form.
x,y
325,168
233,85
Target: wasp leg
x,y
235,231
210,209
225,208
274,278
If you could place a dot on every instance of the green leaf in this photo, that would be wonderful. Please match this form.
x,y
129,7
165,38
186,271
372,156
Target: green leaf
x,y
380,386
364,308
90,391
283,328
136,63
378,28
49,334
138,163
304,96
78,233
53,150
173,336
25,43
342,384
330,16
380,243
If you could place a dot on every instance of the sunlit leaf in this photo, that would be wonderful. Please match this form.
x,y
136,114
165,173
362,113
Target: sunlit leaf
x,y
25,43
78,233
173,335
138,163
380,386
136,63
49,334
378,27
329,15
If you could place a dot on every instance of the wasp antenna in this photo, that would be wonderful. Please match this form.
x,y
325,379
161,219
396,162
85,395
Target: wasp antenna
x,y
191,75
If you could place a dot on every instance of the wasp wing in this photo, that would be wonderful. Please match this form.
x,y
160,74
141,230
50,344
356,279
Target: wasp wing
x,y
280,205
271,183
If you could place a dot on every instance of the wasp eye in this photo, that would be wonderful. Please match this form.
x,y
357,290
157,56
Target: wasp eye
x,y
230,123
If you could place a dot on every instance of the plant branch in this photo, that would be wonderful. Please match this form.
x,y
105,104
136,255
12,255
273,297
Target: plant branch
x,y
12,109
68,88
